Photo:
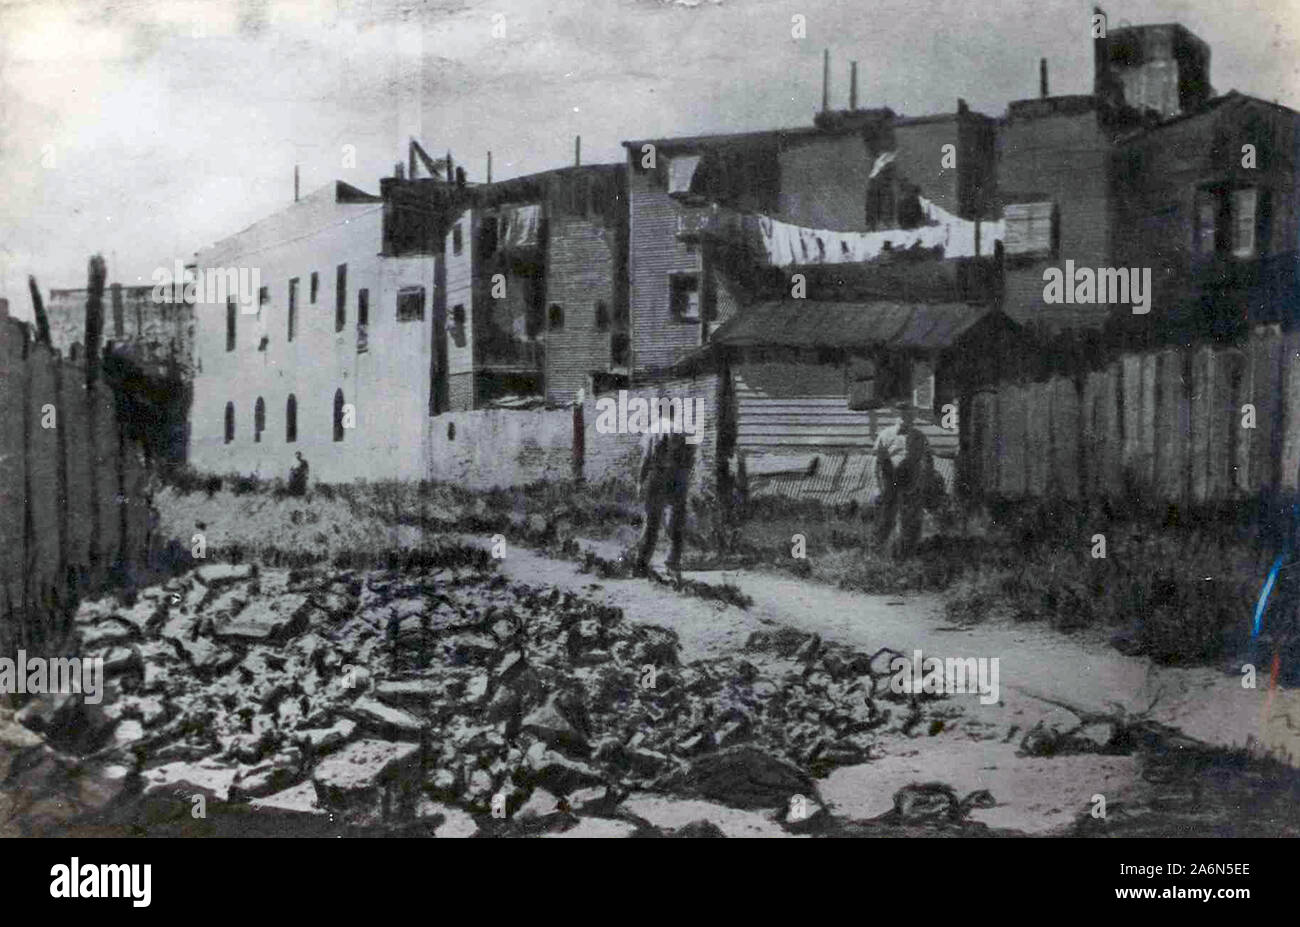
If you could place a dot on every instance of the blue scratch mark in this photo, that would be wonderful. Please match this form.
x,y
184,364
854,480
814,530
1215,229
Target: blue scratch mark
x,y
1263,596
1262,604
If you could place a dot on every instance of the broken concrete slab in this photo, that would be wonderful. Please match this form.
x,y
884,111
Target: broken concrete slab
x,y
367,777
268,620
375,717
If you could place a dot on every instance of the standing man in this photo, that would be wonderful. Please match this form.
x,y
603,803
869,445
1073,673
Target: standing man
x,y
666,461
298,476
905,471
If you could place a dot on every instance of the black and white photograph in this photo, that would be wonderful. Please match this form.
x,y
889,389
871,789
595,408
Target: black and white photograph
x,y
612,419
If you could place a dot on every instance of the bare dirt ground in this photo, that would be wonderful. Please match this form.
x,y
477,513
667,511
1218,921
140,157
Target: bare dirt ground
x,y
332,698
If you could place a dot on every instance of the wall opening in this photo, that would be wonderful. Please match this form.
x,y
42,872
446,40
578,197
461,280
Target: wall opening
x,y
291,419
230,422
340,297
338,415
259,419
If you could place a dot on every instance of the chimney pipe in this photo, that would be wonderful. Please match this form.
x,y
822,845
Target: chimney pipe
x,y
1042,78
449,172
489,170
399,170
410,159
826,78
853,85
295,183
577,151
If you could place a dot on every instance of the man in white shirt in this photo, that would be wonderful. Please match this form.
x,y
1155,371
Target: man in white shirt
x,y
905,470
664,478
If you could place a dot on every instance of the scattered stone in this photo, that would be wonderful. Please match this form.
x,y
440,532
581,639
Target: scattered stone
x,y
367,777
375,717
745,777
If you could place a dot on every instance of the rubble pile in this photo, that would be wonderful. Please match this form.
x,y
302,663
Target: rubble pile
x,y
380,697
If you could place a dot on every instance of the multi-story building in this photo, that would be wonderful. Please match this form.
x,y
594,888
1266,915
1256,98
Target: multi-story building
x,y
536,287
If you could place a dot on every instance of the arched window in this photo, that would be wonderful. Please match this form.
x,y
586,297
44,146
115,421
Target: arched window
x,y
259,419
291,418
338,415
230,422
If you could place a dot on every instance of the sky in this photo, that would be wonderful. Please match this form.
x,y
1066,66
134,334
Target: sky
x,y
147,129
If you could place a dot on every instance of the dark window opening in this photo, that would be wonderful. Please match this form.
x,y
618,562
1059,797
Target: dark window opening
x,y
410,304
363,320
259,419
315,287
263,297
338,415
602,316
555,316
340,297
293,306
456,242
684,296
291,419
487,238
230,325
230,422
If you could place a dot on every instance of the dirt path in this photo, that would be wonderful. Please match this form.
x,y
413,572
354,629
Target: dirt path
x,y
978,747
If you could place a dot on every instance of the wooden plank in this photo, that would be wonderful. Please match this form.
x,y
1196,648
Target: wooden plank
x,y
1172,421
1289,477
1266,396
1065,438
1202,430
1011,441
1038,436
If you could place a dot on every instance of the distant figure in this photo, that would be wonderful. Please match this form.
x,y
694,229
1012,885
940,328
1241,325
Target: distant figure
x,y
298,476
664,479
905,469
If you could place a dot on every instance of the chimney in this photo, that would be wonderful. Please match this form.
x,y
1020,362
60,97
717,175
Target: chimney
x,y
1042,78
826,78
853,85
489,170
410,159
399,170
460,177
577,151
295,183
449,171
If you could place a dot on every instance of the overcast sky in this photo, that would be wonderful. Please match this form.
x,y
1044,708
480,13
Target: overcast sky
x,y
147,130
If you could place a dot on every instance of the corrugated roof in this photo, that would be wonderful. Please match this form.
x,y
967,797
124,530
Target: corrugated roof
x,y
818,324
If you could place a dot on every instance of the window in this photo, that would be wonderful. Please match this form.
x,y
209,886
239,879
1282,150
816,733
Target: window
x,y
684,296
1031,228
293,306
259,419
363,320
291,419
230,325
410,304
315,287
230,422
1232,222
263,297
602,316
340,297
556,316
1243,221
456,242
487,238
458,316
338,415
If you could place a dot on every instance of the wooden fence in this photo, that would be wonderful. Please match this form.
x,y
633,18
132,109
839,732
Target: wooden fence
x,y
1199,424
73,508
